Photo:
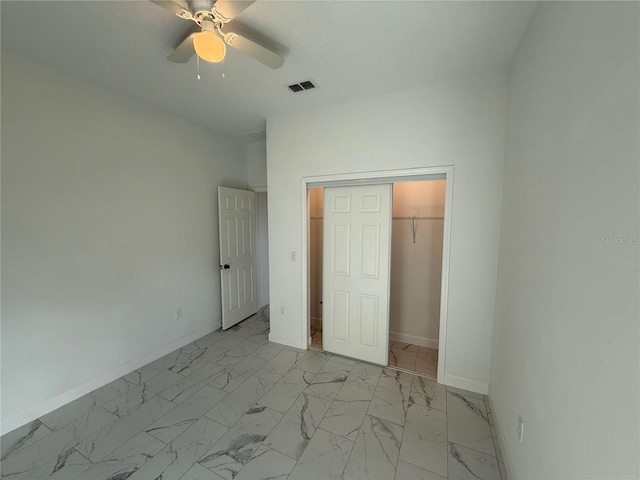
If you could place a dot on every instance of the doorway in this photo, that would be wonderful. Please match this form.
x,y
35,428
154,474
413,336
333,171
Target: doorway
x,y
416,299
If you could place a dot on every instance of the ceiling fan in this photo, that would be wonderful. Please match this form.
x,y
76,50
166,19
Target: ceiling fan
x,y
214,17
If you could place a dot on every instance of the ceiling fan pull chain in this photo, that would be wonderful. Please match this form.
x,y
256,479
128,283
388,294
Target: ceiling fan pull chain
x,y
198,66
224,64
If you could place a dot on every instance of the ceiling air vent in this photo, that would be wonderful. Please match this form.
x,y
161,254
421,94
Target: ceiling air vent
x,y
302,86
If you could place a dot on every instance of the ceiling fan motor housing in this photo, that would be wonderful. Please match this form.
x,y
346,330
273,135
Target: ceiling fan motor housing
x,y
200,7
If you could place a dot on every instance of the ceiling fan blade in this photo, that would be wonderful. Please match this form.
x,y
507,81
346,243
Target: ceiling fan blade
x,y
260,53
230,8
174,6
184,51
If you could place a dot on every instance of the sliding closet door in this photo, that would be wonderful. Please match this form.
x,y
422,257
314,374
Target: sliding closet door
x,y
357,236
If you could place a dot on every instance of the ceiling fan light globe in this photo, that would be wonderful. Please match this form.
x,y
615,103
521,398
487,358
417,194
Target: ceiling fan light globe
x,y
209,47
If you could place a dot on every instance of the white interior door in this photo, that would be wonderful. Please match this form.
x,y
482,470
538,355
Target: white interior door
x,y
357,236
238,260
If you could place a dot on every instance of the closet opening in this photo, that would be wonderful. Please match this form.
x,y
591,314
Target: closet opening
x,y
416,267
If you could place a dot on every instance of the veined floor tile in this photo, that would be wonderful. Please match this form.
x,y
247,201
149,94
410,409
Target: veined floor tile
x,y
312,361
85,404
121,463
344,418
186,364
324,458
198,472
237,374
237,353
404,347
266,464
391,398
350,392
23,437
190,348
183,453
468,464
390,378
184,388
364,374
465,393
375,453
261,337
429,393
21,463
281,396
427,361
406,471
152,369
176,421
267,351
231,408
235,338
349,362
234,450
293,432
336,364
204,342
135,397
69,464
402,358
326,385
109,438
468,424
280,364
424,443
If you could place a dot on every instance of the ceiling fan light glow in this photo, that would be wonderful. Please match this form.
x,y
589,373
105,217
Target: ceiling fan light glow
x,y
209,46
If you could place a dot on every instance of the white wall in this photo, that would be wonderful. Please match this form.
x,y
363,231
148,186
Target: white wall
x,y
257,165
566,337
109,223
459,123
416,267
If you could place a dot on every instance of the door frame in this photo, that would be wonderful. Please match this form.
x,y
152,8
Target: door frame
x,y
384,176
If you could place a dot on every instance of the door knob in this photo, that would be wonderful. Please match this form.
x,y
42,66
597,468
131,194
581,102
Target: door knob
x,y
226,266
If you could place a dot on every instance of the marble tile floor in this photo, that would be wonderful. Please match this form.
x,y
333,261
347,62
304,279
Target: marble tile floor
x,y
405,356
231,405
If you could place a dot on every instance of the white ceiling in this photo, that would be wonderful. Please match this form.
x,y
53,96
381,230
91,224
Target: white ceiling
x,y
351,49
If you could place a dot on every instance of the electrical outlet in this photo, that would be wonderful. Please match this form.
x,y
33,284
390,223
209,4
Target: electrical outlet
x,y
281,309
293,255
520,427
178,313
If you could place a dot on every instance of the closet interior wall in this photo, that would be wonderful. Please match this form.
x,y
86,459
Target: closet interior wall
x,y
416,262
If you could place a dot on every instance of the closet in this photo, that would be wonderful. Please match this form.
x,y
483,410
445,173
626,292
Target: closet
x,y
415,277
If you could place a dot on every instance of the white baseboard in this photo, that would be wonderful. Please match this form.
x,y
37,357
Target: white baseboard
x,y
506,456
466,384
413,340
32,413
288,341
